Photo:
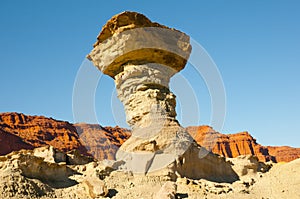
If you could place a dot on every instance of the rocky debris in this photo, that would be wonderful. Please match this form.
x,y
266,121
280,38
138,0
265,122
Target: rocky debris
x,y
102,142
74,157
50,154
36,131
95,187
248,164
24,175
45,172
167,191
198,163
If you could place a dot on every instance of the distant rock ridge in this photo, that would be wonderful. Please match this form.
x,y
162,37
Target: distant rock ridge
x,y
36,131
233,145
102,142
20,131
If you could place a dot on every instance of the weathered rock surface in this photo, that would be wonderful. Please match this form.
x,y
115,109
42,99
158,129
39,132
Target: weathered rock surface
x,y
36,131
247,165
227,145
25,175
131,37
284,153
167,191
95,187
102,142
46,173
233,145
142,56
10,142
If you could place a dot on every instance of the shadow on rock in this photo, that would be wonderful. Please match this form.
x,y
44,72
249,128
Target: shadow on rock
x,y
53,174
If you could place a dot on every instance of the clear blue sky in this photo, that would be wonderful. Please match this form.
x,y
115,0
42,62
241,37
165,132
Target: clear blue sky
x,y
255,45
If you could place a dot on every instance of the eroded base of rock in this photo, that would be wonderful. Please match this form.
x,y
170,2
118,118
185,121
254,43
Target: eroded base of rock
x,y
19,178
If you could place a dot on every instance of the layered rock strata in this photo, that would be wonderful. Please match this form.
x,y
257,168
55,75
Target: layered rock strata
x,y
242,143
103,142
20,131
141,57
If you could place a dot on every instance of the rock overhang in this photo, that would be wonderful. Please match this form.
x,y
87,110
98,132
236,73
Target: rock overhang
x,y
131,38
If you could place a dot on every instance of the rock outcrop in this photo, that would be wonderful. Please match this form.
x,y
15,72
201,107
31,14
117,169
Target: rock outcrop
x,y
98,141
47,173
167,191
233,145
284,153
44,173
10,142
102,142
142,56
36,131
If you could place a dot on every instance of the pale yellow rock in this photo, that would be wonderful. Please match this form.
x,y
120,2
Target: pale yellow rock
x,y
95,187
246,165
50,154
142,56
23,175
167,191
130,37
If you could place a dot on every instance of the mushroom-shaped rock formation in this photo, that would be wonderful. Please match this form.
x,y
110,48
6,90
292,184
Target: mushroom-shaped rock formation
x,y
141,56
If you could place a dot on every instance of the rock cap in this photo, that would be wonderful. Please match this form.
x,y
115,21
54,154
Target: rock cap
x,y
131,38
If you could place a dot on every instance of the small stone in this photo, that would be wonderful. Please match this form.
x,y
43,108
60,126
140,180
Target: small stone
x,y
95,187
167,191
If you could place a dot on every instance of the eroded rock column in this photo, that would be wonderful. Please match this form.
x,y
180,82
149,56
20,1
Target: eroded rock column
x,y
144,91
141,56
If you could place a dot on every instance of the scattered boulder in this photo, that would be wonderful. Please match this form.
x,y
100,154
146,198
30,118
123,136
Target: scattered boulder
x,y
95,187
248,164
167,191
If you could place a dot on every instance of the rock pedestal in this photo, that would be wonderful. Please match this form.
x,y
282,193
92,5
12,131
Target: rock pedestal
x,y
141,56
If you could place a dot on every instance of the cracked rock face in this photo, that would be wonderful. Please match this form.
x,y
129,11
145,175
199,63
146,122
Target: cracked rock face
x,y
144,91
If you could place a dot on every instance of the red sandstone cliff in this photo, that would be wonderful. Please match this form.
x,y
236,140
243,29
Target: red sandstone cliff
x,y
233,145
10,142
19,131
284,153
102,142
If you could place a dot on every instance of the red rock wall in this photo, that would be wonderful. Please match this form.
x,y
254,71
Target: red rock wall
x,y
36,131
10,142
102,142
19,131
233,145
